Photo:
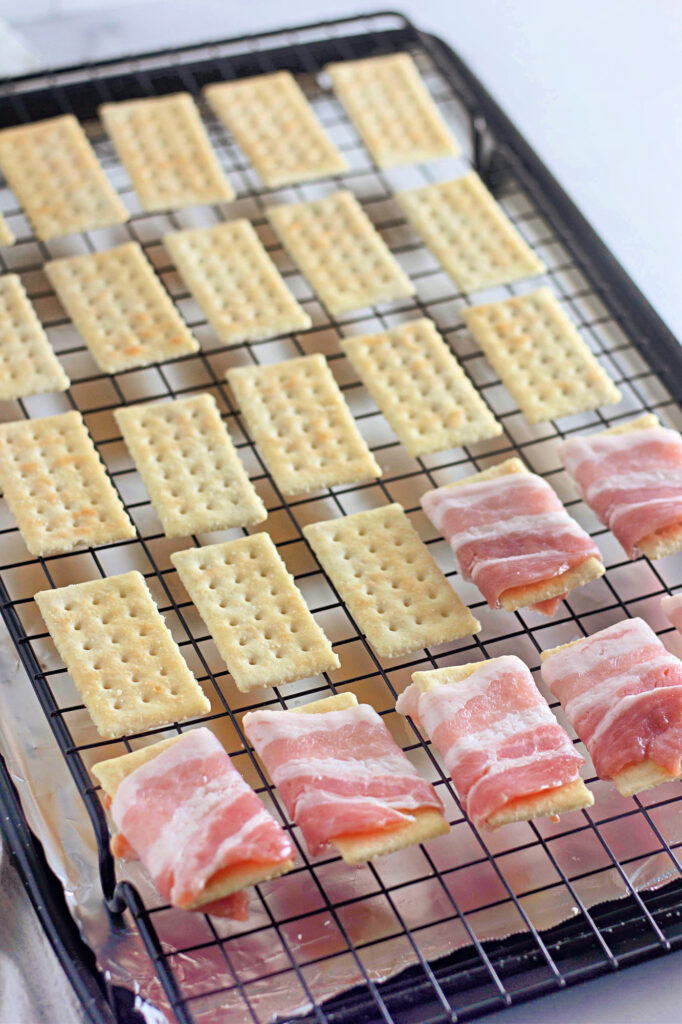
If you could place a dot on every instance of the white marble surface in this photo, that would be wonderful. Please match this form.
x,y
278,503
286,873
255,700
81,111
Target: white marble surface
x,y
595,85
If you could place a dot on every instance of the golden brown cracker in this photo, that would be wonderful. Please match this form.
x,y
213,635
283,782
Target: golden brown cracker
x,y
121,655
56,486
164,147
540,357
120,307
276,127
28,366
299,419
420,388
235,282
54,173
190,467
389,581
340,252
392,110
255,612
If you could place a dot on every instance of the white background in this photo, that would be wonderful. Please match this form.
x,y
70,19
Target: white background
x,y
596,86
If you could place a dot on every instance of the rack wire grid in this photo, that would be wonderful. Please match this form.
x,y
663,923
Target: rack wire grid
x,y
619,834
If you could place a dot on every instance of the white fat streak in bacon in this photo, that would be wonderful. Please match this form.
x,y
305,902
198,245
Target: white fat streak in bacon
x,y
638,481
313,798
436,503
586,655
672,609
620,706
443,702
577,450
174,841
320,768
627,507
601,693
557,523
517,560
506,764
264,726
513,724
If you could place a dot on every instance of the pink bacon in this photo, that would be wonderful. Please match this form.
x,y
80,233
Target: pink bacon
x,y
632,481
189,815
509,531
339,773
622,692
496,734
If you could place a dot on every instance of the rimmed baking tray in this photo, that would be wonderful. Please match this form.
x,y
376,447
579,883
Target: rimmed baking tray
x,y
438,927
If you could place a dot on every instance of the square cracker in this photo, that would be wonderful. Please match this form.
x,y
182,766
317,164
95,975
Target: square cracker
x,y
255,612
120,307
28,366
540,357
469,234
6,236
535,593
54,173
57,488
392,110
420,388
359,848
646,774
276,127
389,581
190,467
299,419
668,540
340,252
559,800
121,655
165,149
235,282
110,774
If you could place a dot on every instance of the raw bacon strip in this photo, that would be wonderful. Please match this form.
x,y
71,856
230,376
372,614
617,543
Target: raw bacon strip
x,y
339,773
191,819
495,732
509,531
622,693
631,480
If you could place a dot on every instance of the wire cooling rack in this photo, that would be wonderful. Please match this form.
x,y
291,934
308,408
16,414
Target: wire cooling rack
x,y
532,864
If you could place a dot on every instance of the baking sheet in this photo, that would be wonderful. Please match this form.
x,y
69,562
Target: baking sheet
x,y
337,925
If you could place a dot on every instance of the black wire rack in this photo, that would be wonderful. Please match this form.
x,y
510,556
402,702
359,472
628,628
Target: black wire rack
x,y
628,339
